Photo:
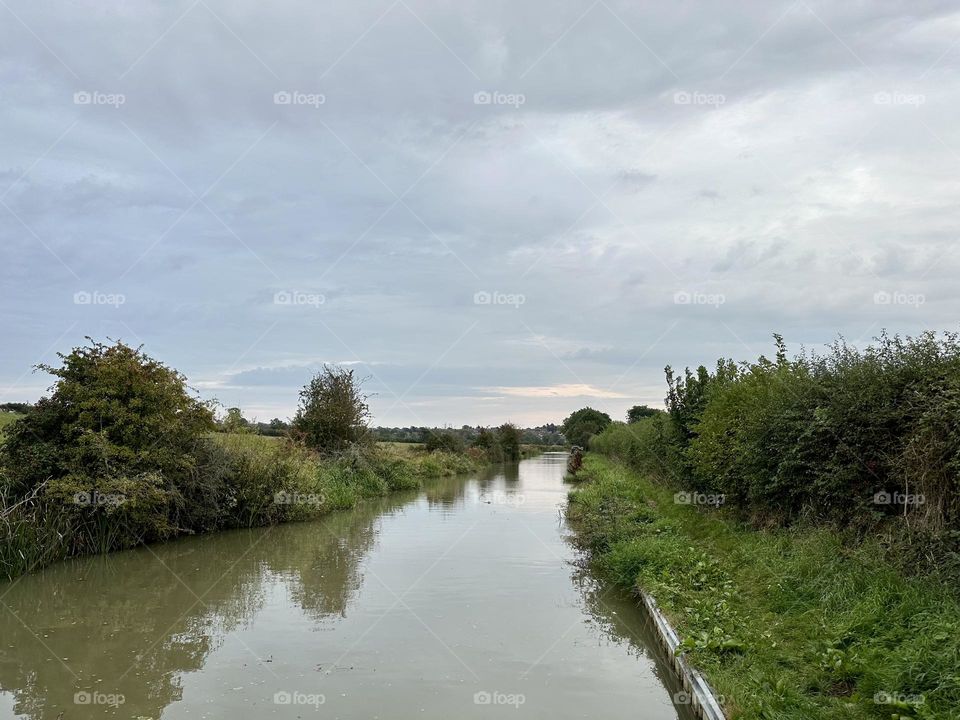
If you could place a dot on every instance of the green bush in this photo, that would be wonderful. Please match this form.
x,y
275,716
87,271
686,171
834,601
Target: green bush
x,y
583,424
822,436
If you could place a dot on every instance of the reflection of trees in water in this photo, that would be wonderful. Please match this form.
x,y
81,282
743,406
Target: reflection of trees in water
x,y
619,616
445,492
321,562
125,624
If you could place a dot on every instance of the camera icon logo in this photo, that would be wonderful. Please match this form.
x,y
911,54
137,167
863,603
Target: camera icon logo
x,y
882,498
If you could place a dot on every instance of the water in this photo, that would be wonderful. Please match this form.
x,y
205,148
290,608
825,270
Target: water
x,y
462,600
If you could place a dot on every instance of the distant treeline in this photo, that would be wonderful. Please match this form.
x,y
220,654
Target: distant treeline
x,y
854,437
548,434
15,407
467,435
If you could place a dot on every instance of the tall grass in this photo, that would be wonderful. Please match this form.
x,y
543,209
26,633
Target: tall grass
x,y
240,480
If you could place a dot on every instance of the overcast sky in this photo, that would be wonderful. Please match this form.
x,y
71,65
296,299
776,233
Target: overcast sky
x,y
496,209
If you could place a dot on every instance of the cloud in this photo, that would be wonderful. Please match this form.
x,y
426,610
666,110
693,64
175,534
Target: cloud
x,y
568,390
792,159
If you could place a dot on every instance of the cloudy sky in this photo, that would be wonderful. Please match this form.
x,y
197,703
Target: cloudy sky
x,y
496,209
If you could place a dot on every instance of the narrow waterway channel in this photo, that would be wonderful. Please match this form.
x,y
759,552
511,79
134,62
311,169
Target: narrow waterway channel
x,y
462,600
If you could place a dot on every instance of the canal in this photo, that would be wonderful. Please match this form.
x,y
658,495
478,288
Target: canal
x,y
465,599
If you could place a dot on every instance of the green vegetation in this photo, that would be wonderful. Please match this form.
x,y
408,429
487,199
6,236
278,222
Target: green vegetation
x,y
639,412
799,519
7,417
333,412
547,435
864,439
583,425
123,453
789,624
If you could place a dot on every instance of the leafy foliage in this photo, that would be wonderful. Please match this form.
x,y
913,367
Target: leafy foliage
x,y
639,412
333,412
583,424
817,436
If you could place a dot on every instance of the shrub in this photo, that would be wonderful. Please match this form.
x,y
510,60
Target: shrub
x,y
110,445
819,435
442,440
333,412
583,424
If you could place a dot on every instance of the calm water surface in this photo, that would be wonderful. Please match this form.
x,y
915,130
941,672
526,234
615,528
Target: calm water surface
x,y
462,600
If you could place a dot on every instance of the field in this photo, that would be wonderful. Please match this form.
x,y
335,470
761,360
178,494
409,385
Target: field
x,y
7,417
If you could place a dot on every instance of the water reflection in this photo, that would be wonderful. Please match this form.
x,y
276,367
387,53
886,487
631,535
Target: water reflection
x,y
466,587
134,622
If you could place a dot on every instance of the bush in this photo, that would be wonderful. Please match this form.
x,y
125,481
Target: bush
x,y
826,436
442,440
111,445
583,424
333,412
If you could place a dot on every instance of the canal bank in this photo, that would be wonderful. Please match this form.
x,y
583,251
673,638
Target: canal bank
x,y
793,623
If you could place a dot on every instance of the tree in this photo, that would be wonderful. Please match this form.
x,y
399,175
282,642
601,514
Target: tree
x,y
333,412
447,440
116,422
638,412
234,422
584,424
508,438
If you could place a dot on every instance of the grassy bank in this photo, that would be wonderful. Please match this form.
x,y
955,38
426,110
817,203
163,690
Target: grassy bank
x,y
243,481
787,623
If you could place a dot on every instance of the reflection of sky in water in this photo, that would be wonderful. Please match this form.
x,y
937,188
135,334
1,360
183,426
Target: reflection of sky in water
x,y
404,607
